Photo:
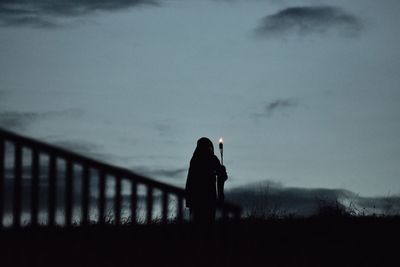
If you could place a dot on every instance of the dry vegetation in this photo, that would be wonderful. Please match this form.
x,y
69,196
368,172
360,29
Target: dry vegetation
x,y
333,237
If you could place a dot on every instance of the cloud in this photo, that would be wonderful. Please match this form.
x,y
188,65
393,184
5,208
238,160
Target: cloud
x,y
84,148
277,105
269,198
164,128
33,21
308,20
164,173
17,120
44,13
3,93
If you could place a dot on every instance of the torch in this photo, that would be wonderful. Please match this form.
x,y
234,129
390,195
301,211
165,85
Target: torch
x,y
221,149
221,180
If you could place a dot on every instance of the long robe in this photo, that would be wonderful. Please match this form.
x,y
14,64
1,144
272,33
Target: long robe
x,y
201,185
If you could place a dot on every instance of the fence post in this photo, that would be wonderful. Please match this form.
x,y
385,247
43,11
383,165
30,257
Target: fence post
x,y
2,157
117,203
102,194
52,190
17,185
149,204
164,206
69,183
180,209
85,195
133,201
35,187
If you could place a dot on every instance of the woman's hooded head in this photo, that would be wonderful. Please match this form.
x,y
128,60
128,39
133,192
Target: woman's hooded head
x,y
204,147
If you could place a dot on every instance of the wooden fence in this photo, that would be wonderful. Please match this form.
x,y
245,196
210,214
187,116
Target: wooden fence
x,y
14,169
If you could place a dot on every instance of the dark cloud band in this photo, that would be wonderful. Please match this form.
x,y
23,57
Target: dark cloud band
x,y
43,13
15,120
276,105
309,20
164,173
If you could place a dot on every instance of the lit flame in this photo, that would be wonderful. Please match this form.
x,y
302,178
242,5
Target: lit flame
x,y
221,141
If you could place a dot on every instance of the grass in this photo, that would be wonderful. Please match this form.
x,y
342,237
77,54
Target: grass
x,y
329,239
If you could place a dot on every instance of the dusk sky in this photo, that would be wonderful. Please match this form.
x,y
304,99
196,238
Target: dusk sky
x,y
305,93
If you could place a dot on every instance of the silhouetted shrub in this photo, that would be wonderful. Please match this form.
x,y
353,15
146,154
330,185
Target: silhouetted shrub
x,y
333,209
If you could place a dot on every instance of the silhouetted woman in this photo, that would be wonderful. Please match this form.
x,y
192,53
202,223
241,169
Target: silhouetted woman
x,y
201,184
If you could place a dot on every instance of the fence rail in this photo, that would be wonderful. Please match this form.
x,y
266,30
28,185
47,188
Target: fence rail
x,y
27,149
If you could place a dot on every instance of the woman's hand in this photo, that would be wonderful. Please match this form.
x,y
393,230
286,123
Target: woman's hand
x,y
222,173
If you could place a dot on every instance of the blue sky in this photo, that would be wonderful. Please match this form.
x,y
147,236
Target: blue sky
x,y
305,93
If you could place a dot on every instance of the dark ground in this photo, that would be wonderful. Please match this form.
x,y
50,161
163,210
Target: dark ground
x,y
354,241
